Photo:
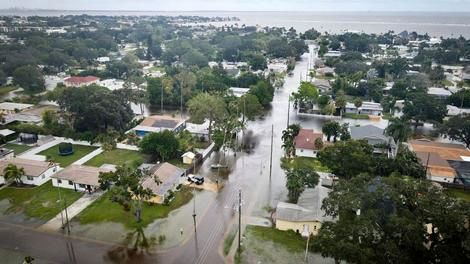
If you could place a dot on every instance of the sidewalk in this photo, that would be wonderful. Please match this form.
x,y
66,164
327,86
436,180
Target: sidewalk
x,y
72,210
88,157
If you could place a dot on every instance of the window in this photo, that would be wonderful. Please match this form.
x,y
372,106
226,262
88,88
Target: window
x,y
30,178
59,181
81,185
43,176
55,169
314,227
70,182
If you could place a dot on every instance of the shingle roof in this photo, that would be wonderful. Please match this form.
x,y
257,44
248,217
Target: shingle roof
x,y
81,174
167,175
31,168
371,134
308,208
306,139
77,80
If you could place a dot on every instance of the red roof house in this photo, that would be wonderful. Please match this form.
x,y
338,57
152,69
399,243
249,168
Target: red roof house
x,y
78,81
305,143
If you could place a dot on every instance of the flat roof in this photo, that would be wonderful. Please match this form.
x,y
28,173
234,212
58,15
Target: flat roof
x,y
12,106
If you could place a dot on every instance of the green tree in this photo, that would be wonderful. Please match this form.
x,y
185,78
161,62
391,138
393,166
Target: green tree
x,y
194,58
249,107
205,106
126,188
13,173
393,220
257,62
458,128
346,159
423,107
163,145
29,78
288,139
399,129
340,101
264,91
331,129
297,180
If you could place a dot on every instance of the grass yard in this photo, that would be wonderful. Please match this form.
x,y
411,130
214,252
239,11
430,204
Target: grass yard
x,y
104,210
289,239
178,162
6,89
304,162
18,148
228,241
79,152
118,157
41,202
461,194
355,116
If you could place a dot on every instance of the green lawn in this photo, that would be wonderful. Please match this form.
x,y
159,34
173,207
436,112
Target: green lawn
x,y
355,116
118,157
304,162
387,116
178,162
17,147
40,202
104,210
461,194
6,89
228,241
289,239
79,152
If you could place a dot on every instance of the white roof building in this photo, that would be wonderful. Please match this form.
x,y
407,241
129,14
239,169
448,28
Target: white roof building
x,y
239,92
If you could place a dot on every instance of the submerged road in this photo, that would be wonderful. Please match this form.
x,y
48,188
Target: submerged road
x,y
249,173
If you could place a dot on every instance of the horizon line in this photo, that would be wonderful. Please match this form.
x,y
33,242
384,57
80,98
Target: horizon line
x,y
221,10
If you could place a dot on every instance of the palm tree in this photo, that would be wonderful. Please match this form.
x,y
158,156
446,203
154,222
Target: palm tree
x,y
399,129
288,138
331,129
14,173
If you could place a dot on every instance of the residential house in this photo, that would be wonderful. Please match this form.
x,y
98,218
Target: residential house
x,y
325,71
367,108
36,172
159,123
306,215
13,108
78,81
168,176
375,136
305,143
277,67
435,156
462,168
439,93
79,178
103,59
454,110
238,92
201,131
323,85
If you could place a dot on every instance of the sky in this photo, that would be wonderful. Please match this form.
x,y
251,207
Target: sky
x,y
244,5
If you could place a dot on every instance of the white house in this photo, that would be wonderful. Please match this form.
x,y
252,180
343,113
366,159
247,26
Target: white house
x,y
439,93
367,108
79,178
12,108
36,172
305,143
103,59
159,123
239,92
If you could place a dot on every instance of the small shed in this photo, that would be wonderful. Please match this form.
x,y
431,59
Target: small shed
x,y
188,157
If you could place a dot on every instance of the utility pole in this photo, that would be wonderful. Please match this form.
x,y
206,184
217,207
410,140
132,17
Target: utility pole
x,y
288,111
161,101
239,220
67,216
271,157
181,98
194,211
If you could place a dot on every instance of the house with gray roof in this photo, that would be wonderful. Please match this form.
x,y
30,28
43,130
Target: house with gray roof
x,y
164,178
306,215
375,136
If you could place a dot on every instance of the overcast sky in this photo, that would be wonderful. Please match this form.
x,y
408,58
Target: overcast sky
x,y
245,5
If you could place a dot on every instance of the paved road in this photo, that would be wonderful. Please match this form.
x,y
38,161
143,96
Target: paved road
x,y
250,173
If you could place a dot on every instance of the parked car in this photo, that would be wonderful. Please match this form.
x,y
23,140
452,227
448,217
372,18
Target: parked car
x,y
197,179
